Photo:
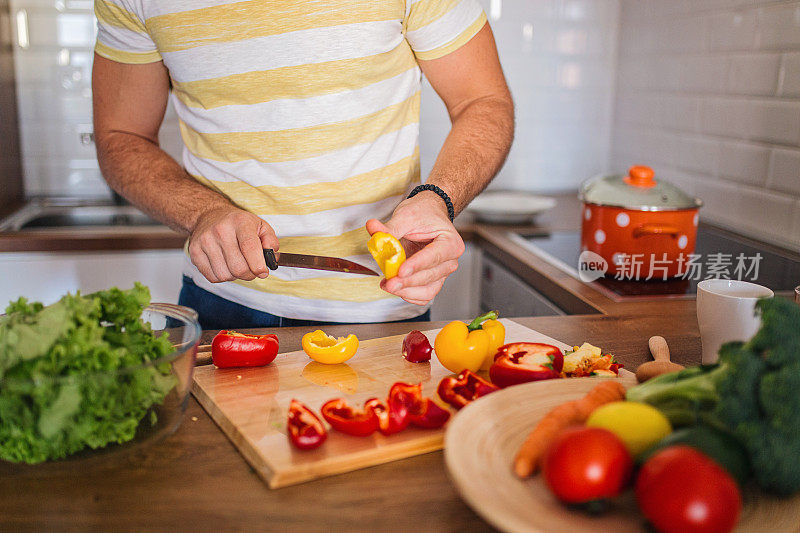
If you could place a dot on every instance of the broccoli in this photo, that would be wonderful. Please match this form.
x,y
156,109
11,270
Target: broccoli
x,y
753,392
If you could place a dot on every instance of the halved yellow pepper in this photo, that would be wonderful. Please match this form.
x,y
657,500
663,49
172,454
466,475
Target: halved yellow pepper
x,y
329,350
388,253
459,346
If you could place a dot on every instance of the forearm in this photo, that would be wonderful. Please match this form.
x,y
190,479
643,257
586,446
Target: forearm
x,y
148,177
475,149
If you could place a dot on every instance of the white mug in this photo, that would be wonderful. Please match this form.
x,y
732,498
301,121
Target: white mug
x,y
726,312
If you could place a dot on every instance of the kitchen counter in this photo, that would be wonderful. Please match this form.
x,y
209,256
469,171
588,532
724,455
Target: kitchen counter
x,y
195,478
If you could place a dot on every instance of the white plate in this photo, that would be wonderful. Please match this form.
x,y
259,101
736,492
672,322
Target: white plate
x,y
483,438
509,207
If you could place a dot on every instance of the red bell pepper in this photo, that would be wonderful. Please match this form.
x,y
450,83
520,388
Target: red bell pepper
x,y
393,413
521,362
392,418
417,347
422,412
232,349
305,429
428,415
466,387
346,419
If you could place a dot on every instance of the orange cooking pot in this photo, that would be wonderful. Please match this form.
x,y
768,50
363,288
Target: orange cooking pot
x,y
644,228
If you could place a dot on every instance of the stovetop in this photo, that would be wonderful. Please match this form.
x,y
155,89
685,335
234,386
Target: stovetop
x,y
735,258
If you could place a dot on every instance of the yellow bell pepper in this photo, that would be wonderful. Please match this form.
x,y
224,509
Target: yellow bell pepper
x,y
388,253
459,346
497,337
329,350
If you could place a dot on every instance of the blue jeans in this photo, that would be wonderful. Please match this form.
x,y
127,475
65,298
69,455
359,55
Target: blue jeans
x,y
218,313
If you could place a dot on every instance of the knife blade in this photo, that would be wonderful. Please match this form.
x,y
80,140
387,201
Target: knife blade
x,y
315,262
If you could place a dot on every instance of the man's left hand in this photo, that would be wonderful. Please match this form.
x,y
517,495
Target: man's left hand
x,y
432,246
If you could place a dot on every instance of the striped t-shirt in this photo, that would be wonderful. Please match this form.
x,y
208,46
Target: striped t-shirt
x,y
304,112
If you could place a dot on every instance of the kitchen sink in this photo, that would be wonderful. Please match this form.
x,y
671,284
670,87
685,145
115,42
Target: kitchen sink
x,y
46,215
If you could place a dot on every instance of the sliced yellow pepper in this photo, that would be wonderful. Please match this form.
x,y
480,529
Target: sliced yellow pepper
x,y
329,350
388,253
459,346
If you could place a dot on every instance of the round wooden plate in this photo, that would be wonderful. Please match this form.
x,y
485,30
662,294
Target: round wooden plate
x,y
482,440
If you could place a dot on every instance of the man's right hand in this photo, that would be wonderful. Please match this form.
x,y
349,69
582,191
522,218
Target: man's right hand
x,y
227,243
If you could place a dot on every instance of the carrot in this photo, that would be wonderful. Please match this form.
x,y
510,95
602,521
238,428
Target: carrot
x,y
575,412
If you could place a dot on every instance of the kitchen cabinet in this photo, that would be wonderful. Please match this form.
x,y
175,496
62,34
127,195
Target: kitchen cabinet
x,y
502,290
459,297
46,276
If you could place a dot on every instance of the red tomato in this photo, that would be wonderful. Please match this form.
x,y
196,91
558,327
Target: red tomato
x,y
587,464
679,489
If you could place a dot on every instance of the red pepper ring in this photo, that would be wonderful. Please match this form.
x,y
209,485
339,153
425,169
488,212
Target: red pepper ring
x,y
466,387
305,429
348,420
521,362
230,349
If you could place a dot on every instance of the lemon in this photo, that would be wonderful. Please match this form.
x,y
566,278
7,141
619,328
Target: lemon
x,y
638,425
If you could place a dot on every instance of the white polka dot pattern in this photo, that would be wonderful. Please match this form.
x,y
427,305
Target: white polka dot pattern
x,y
599,236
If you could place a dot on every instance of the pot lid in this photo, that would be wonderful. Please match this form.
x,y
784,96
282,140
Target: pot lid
x,y
637,190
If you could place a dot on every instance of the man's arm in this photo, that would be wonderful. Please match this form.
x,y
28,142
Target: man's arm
x,y
129,104
473,88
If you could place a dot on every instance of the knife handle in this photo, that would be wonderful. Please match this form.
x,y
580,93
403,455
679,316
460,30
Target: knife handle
x,y
269,256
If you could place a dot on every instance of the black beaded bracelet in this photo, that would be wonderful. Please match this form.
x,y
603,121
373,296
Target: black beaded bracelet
x,y
451,212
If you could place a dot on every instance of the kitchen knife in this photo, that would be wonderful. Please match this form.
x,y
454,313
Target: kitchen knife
x,y
315,262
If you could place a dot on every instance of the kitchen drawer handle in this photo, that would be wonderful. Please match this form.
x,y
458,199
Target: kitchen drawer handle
x,y
656,229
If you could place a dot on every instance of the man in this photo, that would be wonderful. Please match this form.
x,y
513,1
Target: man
x,y
300,121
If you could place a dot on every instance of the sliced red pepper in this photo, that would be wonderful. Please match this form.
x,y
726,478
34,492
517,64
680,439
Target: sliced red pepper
x,y
429,415
466,387
416,347
349,420
422,412
392,414
521,362
231,349
306,430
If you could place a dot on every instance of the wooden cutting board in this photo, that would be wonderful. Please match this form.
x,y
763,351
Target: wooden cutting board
x,y
250,405
483,440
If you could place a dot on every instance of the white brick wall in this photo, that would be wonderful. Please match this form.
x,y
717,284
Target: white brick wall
x,y
559,58
708,93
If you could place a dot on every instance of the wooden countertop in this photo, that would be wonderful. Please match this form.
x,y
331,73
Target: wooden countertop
x,y
196,478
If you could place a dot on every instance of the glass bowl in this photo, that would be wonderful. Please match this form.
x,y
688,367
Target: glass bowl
x,y
131,406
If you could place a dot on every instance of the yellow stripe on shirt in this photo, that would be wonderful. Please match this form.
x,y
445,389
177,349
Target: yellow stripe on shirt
x,y
301,143
260,18
301,81
365,188
353,242
132,58
347,289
